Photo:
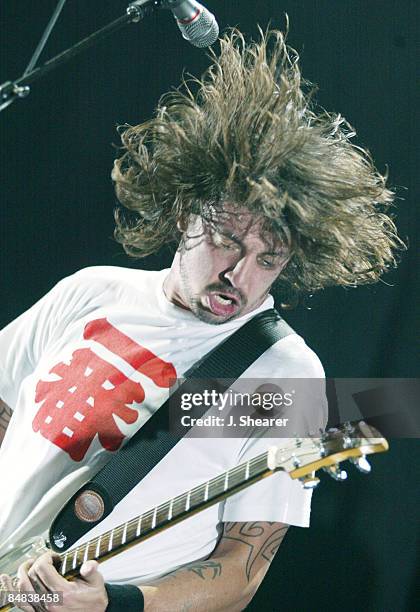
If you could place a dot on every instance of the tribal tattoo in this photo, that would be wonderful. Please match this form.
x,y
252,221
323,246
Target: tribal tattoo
x,y
199,569
262,540
203,569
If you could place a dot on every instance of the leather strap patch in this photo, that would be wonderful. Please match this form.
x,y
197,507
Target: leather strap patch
x,y
89,506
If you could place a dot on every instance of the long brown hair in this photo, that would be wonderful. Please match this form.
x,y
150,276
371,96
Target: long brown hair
x,y
248,132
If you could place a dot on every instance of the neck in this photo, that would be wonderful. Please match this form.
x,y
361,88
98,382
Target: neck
x,y
171,286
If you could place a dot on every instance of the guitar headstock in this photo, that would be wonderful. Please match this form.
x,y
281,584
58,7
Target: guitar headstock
x,y
302,457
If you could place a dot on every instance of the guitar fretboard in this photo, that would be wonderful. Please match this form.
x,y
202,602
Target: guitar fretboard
x,y
164,515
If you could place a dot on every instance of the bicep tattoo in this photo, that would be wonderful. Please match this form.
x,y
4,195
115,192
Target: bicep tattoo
x,y
206,570
260,541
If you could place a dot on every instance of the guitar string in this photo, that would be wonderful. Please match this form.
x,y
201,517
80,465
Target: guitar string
x,y
149,514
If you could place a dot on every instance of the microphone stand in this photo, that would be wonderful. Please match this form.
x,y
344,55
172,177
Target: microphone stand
x,y
20,88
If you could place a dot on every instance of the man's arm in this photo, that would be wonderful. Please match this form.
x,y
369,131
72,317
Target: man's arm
x,y
5,416
227,580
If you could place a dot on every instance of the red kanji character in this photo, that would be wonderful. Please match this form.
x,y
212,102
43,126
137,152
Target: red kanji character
x,y
161,372
90,391
82,403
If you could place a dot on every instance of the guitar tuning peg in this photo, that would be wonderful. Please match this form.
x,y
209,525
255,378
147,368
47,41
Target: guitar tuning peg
x,y
336,472
348,427
310,481
362,464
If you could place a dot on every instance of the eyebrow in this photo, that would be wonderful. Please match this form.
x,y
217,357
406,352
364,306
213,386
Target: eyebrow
x,y
274,253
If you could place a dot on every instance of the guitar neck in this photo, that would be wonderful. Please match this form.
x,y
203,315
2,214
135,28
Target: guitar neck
x,y
298,457
163,516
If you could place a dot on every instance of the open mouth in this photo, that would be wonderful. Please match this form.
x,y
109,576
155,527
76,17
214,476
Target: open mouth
x,y
222,303
223,299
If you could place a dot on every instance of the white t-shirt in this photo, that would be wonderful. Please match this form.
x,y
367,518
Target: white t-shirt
x,y
82,370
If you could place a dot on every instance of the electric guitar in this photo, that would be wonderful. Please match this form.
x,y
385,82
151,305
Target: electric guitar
x,y
300,458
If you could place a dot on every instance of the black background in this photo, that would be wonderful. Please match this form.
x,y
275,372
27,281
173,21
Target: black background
x,y
56,217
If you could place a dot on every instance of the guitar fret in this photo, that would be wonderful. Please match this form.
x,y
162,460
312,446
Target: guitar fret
x,y
247,470
206,492
124,535
226,485
138,530
98,547
63,566
85,556
187,503
170,509
110,541
75,559
154,518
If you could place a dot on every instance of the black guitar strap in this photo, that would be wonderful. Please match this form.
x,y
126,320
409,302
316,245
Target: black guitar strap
x,y
96,499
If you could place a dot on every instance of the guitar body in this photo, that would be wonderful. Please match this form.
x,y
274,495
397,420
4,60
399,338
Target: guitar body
x,y
30,549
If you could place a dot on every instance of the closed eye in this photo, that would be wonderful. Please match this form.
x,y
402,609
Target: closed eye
x,y
270,261
267,263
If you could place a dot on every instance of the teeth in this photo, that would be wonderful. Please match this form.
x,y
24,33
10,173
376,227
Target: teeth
x,y
222,300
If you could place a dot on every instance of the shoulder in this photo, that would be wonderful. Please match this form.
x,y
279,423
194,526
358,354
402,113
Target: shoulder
x,y
289,357
96,286
96,280
112,274
85,285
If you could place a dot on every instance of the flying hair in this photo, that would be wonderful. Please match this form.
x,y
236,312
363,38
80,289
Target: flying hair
x,y
249,133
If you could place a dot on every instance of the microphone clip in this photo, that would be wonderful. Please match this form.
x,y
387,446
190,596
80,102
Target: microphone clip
x,y
139,9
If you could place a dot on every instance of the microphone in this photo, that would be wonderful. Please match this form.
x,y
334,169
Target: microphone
x,y
196,23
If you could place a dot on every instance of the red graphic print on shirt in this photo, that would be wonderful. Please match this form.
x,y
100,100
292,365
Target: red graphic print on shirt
x,y
90,391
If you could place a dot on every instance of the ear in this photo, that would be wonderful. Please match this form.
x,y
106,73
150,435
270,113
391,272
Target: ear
x,y
186,221
181,225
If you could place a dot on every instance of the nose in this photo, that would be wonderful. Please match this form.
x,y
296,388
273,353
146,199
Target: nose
x,y
240,273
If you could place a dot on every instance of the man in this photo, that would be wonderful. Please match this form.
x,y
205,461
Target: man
x,y
258,190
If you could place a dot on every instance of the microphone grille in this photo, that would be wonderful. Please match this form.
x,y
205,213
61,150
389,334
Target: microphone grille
x,y
202,31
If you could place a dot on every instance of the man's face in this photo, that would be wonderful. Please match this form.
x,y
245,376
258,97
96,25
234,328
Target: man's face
x,y
225,267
